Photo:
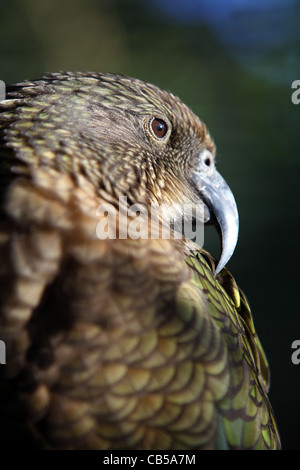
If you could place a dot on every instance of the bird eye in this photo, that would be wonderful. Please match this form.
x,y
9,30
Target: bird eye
x,y
159,128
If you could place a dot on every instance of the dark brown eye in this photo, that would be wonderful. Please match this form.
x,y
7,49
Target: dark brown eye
x,y
158,127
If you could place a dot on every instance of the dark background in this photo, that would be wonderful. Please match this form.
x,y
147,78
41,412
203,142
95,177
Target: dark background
x,y
233,62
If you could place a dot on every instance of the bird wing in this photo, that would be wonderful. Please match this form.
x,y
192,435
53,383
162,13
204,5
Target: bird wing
x,y
247,417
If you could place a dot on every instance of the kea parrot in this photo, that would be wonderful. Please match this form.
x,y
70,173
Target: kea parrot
x,y
119,342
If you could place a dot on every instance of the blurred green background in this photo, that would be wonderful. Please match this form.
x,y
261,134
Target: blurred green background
x,y
233,62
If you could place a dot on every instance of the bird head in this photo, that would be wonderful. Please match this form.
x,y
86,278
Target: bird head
x,y
127,138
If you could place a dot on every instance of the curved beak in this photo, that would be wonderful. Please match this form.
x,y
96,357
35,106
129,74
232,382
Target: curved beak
x,y
217,196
